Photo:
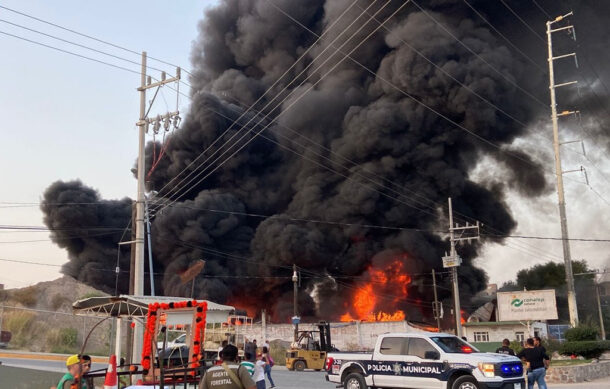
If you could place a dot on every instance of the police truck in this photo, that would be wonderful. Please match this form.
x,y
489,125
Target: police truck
x,y
424,360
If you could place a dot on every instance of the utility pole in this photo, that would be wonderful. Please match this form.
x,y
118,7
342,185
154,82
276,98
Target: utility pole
x,y
150,257
599,310
453,260
572,307
143,122
437,308
295,317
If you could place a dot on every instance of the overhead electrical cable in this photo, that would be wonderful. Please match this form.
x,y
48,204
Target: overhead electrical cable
x,y
534,98
292,103
303,71
88,36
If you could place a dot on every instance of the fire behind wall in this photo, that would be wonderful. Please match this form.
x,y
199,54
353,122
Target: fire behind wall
x,y
379,140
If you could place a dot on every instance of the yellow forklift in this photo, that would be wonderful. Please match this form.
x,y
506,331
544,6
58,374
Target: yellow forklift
x,y
310,349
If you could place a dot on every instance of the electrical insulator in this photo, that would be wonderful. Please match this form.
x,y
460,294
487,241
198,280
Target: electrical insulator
x,y
157,125
177,120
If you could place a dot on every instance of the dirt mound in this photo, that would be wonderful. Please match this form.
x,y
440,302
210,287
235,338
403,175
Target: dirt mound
x,y
41,318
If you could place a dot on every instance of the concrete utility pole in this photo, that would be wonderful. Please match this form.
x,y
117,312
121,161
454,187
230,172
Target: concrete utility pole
x,y
599,310
572,307
143,122
453,261
436,307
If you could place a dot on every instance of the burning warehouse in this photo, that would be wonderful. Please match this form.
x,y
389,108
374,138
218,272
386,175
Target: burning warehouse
x,y
366,116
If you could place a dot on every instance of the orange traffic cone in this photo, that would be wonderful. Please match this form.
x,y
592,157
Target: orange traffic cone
x,y
111,381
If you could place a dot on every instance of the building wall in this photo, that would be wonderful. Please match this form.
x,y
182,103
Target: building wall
x,y
496,333
345,336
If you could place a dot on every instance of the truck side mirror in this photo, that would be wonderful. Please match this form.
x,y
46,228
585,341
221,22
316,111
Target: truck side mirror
x,y
432,355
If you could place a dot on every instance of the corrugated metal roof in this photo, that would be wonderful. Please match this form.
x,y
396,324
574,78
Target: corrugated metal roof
x,y
131,306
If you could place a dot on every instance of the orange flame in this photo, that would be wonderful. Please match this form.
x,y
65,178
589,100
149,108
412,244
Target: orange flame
x,y
391,279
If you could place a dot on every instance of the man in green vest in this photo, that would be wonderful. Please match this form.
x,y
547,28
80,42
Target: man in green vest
x,y
76,369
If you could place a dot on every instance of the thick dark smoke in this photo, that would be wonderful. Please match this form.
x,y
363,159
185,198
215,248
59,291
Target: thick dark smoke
x,y
89,229
356,129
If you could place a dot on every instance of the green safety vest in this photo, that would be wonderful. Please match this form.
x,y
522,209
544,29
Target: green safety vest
x,y
68,377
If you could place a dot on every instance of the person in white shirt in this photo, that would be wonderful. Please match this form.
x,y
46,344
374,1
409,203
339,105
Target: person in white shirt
x,y
259,372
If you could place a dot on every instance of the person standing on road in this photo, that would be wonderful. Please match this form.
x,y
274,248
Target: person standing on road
x,y
537,361
247,364
250,349
505,349
259,372
229,375
268,365
538,343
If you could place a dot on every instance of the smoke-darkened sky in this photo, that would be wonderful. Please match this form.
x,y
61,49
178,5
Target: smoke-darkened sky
x,y
431,104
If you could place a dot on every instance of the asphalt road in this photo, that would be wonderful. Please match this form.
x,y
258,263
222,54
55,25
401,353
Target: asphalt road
x,y
283,378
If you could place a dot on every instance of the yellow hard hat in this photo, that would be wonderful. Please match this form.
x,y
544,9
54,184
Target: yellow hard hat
x,y
72,360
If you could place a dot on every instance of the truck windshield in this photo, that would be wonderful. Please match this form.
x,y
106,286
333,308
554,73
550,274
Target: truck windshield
x,y
453,344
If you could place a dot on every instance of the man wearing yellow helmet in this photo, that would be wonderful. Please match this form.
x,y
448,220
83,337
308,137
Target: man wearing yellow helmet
x,y
76,368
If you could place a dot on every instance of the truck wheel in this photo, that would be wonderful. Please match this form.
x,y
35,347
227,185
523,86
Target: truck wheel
x,y
465,382
299,365
354,381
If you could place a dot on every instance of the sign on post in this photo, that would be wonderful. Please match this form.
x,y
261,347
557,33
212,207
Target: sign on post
x,y
531,305
452,261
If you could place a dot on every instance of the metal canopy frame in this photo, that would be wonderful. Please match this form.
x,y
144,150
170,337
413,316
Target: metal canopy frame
x,y
130,306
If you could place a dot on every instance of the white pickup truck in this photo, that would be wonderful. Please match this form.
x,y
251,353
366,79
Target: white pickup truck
x,y
424,360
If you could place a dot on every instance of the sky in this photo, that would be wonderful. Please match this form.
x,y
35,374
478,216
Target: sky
x,y
66,118
70,118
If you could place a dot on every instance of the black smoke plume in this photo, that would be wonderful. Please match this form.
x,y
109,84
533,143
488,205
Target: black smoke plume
x,y
387,115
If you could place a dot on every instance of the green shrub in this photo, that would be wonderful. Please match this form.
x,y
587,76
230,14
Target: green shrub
x,y
588,349
581,333
62,340
19,323
516,346
58,300
551,345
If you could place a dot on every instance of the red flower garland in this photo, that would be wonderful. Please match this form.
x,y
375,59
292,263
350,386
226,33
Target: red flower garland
x,y
199,330
199,333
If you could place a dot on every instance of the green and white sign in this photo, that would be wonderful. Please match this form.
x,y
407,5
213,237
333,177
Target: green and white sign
x,y
530,305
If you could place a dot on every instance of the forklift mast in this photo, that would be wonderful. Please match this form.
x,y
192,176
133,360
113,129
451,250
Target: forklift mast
x,y
325,344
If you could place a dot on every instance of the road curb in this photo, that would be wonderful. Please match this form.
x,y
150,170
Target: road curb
x,y
47,357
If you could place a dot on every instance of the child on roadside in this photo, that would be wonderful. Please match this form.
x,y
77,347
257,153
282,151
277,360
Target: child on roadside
x,y
259,372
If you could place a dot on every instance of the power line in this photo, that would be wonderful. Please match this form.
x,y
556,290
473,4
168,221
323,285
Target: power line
x,y
523,21
76,44
295,100
542,9
112,65
303,71
540,68
69,52
88,36
478,56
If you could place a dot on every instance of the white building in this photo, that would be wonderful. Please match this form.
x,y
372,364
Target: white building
x,y
496,331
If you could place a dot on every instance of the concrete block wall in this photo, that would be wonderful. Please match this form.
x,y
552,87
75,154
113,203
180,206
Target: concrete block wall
x,y
345,336
578,373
